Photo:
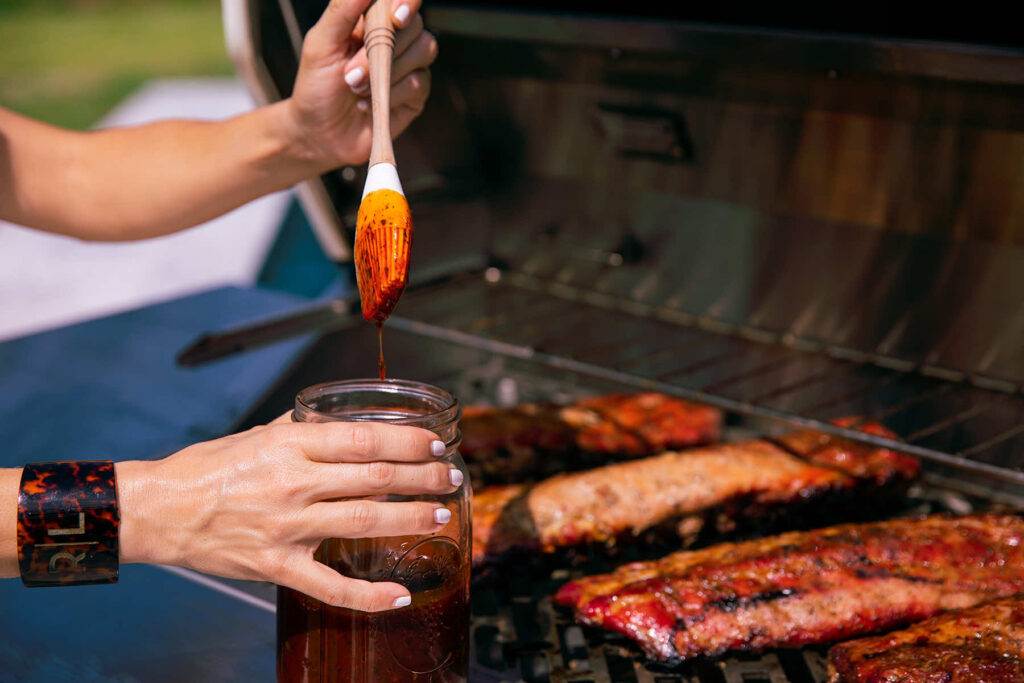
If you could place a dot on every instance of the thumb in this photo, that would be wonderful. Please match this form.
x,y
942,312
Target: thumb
x,y
328,40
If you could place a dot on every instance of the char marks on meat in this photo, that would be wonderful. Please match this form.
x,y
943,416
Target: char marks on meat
x,y
803,588
531,441
677,489
983,644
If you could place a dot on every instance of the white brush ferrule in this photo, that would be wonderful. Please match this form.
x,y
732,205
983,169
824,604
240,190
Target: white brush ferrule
x,y
382,176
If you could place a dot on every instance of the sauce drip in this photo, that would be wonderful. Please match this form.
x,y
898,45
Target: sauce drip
x,y
381,368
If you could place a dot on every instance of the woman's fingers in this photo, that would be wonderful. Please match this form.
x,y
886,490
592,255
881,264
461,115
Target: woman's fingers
x,y
411,92
409,98
414,49
366,442
326,585
370,519
407,36
373,478
329,39
402,10
420,55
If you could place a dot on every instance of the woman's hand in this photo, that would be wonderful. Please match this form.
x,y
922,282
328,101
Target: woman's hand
x,y
328,109
256,505
108,190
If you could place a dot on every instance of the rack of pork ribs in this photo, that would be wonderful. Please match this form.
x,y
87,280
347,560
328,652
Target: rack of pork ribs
x,y
982,644
532,441
680,494
805,587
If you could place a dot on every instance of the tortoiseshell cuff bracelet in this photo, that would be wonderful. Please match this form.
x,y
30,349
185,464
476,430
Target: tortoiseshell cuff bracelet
x,y
68,523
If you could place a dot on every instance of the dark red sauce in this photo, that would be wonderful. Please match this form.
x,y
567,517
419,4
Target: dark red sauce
x,y
426,642
381,368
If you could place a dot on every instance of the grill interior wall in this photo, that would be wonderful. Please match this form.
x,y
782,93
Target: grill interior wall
x,y
912,154
873,212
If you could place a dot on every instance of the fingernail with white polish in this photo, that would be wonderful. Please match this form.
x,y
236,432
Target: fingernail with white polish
x,y
363,105
355,77
403,601
456,476
437,448
442,515
402,15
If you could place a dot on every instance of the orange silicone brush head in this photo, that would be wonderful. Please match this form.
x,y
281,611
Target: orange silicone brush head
x,y
383,243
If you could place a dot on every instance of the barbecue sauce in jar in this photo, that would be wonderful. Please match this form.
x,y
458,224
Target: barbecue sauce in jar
x,y
427,641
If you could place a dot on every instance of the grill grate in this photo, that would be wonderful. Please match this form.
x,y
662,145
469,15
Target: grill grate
x,y
517,635
959,423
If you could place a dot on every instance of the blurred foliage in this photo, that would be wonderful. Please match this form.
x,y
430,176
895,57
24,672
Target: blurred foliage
x,y
68,62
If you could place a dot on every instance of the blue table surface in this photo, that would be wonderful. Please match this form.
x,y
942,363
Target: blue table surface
x,y
109,389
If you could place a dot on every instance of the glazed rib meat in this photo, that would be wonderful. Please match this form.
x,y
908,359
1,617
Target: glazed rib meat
x,y
802,588
983,644
531,441
677,489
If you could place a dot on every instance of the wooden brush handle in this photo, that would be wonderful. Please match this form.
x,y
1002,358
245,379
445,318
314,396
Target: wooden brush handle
x,y
379,38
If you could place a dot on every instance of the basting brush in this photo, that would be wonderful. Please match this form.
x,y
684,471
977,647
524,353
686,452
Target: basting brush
x,y
384,223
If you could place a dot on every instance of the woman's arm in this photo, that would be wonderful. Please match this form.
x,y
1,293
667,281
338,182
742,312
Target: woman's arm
x,y
133,183
9,480
256,505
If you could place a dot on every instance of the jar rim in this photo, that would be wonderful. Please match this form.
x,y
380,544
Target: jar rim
x,y
443,406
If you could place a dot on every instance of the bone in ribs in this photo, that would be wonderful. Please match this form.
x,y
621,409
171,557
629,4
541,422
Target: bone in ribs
x,y
531,441
983,644
732,481
802,588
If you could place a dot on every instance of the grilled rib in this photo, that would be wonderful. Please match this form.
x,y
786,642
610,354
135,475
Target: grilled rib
x,y
802,588
677,488
983,644
529,442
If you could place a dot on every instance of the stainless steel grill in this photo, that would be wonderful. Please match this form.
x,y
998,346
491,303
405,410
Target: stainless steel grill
x,y
792,226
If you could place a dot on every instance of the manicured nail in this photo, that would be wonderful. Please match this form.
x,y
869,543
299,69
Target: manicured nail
x,y
456,477
403,601
437,448
355,77
442,515
363,105
402,15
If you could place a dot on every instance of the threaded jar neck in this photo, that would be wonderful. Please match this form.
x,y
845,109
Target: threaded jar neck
x,y
392,400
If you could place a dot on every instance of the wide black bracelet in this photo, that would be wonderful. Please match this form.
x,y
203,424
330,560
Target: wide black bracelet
x,y
68,523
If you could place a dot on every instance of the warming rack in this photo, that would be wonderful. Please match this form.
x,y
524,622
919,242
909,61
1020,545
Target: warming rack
x,y
958,423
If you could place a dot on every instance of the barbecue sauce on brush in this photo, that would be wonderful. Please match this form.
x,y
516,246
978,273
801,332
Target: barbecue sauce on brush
x,y
383,243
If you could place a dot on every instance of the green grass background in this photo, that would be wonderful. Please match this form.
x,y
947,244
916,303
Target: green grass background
x,y
68,62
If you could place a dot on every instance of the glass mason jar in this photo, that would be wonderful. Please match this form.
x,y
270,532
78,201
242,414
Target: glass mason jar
x,y
426,641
